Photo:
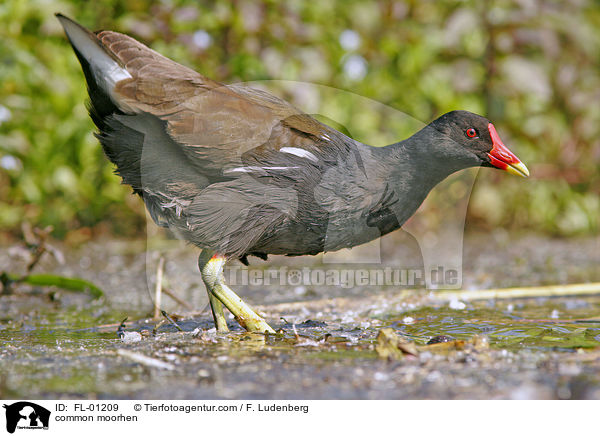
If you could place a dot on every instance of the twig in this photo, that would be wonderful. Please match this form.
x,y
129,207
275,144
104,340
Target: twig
x,y
158,289
145,360
35,239
166,315
528,292
121,329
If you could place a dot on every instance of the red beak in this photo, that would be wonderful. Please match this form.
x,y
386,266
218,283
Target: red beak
x,y
501,157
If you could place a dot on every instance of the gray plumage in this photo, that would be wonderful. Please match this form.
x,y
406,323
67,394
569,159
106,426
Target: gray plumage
x,y
207,158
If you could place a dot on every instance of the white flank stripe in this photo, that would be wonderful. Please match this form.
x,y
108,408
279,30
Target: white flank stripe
x,y
299,152
253,169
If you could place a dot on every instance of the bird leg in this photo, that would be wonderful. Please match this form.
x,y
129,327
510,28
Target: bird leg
x,y
216,306
211,267
218,315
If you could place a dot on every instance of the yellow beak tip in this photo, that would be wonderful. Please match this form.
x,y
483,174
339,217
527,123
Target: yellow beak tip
x,y
518,169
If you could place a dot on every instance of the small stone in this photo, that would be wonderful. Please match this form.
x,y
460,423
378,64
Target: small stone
x,y
129,337
457,304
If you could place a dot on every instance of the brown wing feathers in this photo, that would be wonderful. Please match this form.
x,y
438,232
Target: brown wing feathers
x,y
186,144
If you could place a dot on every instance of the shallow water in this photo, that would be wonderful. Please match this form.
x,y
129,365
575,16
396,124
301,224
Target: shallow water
x,y
62,345
542,323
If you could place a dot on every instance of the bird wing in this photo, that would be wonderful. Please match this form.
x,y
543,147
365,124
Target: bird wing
x,y
214,124
228,167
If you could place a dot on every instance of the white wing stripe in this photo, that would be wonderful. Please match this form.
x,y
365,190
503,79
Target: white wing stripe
x,y
254,168
299,152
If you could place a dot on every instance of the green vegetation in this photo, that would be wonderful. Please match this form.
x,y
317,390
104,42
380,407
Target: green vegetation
x,y
532,68
71,284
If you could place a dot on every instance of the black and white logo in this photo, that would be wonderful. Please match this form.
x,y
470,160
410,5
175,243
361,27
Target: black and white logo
x,y
26,415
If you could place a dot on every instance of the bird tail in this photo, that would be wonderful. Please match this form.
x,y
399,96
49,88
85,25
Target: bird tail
x,y
102,69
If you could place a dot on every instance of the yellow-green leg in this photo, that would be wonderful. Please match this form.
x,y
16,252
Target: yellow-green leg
x,y
218,315
211,267
216,306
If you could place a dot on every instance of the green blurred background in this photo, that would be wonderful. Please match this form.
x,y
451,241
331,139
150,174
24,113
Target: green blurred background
x,y
532,67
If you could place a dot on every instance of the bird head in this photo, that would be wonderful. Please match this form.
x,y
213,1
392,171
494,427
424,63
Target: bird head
x,y
475,137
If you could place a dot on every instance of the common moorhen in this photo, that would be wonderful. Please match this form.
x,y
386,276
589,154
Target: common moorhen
x,y
238,171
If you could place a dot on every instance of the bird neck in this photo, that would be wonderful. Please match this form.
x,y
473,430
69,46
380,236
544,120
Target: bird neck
x,y
411,168
420,159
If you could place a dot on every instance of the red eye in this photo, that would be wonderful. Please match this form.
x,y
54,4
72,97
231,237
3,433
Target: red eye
x,y
471,133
